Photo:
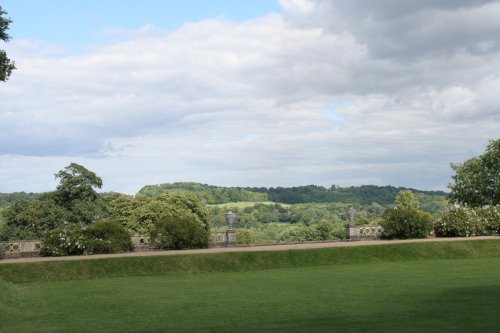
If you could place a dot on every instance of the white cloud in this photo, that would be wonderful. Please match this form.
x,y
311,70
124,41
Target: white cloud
x,y
328,92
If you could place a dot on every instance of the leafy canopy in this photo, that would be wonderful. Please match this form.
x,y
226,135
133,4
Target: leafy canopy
x,y
406,220
406,199
6,65
76,183
477,180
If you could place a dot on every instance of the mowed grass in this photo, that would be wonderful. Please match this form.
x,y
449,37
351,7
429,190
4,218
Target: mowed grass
x,y
431,287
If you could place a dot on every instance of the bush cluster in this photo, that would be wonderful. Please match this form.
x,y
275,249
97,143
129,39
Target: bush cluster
x,y
78,239
317,232
464,221
181,232
290,233
404,223
246,236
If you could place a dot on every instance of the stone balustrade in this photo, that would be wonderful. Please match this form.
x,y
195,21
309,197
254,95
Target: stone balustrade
x,y
31,248
364,232
223,239
20,248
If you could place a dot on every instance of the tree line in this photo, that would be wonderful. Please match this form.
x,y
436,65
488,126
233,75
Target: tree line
x,y
178,214
364,195
76,219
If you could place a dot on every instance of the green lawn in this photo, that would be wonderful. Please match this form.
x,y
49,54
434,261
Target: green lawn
x,y
433,287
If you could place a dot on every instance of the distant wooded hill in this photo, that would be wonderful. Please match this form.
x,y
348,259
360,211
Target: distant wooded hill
x,y
7,199
431,201
364,195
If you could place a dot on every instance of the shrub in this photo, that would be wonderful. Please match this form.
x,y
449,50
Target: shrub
x,y
246,236
78,239
33,218
70,239
406,223
491,217
181,232
298,234
324,230
465,221
151,211
109,237
12,232
459,222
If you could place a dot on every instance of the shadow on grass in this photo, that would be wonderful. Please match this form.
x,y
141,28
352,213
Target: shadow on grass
x,y
457,310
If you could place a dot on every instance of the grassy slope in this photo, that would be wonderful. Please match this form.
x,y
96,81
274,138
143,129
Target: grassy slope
x,y
243,261
385,289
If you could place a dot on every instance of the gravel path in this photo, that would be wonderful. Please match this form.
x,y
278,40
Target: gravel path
x,y
281,247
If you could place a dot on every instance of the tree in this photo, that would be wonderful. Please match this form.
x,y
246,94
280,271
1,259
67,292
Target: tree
x,y
477,180
406,199
404,223
76,183
76,193
30,219
151,211
405,220
6,65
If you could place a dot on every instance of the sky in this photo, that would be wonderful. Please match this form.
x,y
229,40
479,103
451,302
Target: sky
x,y
248,93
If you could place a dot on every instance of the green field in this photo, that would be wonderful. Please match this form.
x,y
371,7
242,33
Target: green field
x,y
245,204
431,287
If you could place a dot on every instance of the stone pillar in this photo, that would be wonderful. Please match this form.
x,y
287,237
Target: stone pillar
x,y
348,231
350,215
230,238
230,233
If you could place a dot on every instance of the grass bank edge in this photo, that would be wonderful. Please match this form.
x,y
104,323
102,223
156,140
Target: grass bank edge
x,y
52,271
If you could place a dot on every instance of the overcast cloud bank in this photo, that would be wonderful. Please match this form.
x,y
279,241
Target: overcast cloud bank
x,y
325,92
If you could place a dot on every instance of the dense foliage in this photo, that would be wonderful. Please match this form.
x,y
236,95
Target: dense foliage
x,y
404,223
319,232
6,65
466,221
206,193
290,233
68,218
182,208
76,193
139,215
477,180
78,239
181,232
406,220
30,219
7,199
74,200
286,233
255,214
361,195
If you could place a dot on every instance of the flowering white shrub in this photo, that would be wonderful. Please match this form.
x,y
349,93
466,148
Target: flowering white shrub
x,y
70,239
490,216
78,239
465,221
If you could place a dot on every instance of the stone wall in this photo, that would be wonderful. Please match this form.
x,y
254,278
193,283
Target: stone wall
x,y
31,248
364,232
19,249
143,243
223,239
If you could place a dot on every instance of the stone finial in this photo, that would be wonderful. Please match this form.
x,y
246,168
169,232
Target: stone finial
x,y
351,214
230,219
